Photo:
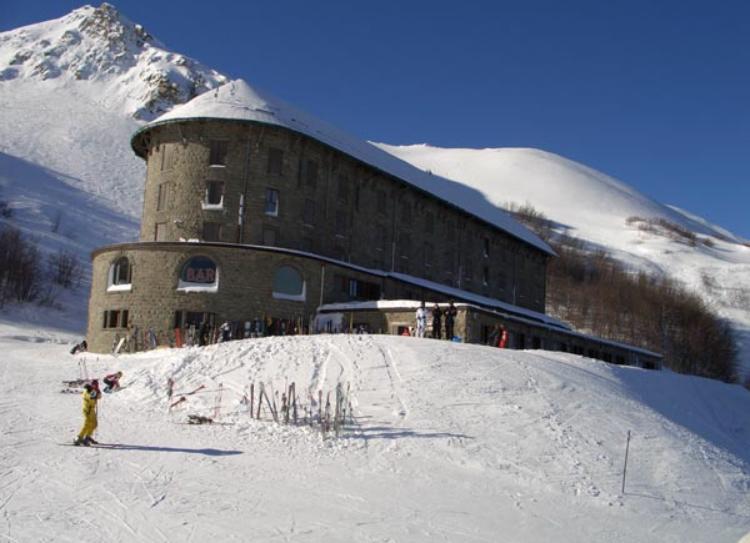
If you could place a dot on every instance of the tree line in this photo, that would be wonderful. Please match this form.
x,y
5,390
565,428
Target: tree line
x,y
594,292
28,275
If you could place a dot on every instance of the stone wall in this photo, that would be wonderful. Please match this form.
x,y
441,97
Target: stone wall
x,y
245,286
329,204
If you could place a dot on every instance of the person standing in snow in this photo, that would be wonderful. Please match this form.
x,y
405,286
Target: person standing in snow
x,y
450,318
226,332
90,397
436,321
421,320
502,341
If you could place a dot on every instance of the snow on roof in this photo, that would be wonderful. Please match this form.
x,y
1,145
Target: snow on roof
x,y
237,100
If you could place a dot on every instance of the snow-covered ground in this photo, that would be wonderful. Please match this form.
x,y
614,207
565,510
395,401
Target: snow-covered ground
x,y
449,442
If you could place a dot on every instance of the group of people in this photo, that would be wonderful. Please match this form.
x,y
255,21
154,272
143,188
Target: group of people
x,y
438,316
91,396
499,338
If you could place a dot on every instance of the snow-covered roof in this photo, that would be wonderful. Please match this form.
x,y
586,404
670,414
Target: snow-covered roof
x,y
239,101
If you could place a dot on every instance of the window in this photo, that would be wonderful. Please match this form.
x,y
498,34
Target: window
x,y
163,151
161,197
310,172
448,262
381,202
381,237
288,284
404,245
468,271
121,272
115,318
218,152
199,274
269,236
502,281
486,246
404,252
272,202
485,275
342,223
356,289
343,189
428,255
308,213
450,230
160,231
214,194
275,162
212,231
405,213
429,223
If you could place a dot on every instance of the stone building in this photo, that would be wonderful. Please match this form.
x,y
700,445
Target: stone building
x,y
257,212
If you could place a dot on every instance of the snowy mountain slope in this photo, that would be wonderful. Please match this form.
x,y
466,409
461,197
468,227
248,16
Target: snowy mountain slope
x,y
596,207
75,89
513,446
61,219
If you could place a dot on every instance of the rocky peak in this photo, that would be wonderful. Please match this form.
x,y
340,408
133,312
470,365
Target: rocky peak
x,y
104,47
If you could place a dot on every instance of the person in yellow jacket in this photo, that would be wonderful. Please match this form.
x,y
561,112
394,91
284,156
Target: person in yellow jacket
x,y
90,396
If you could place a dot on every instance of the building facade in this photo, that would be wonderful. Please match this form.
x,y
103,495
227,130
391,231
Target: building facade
x,y
256,212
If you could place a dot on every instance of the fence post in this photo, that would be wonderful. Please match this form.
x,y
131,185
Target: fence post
x,y
625,466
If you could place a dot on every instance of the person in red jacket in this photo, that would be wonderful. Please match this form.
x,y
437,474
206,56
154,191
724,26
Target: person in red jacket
x,y
112,382
502,341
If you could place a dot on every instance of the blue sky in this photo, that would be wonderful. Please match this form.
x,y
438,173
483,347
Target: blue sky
x,y
654,93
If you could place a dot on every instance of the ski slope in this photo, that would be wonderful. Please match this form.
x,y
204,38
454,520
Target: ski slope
x,y
449,442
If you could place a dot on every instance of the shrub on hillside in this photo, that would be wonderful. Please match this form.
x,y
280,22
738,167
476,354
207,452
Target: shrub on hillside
x,y
20,270
595,292
64,269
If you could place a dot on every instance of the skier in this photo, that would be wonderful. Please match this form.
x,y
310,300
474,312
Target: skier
x,y
226,331
450,317
421,320
112,382
503,337
90,396
436,321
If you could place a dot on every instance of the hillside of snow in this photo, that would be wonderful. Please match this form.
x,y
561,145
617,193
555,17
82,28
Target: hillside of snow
x,y
598,209
448,442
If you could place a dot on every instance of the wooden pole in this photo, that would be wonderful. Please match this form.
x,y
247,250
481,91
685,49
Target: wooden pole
x,y
625,466
252,398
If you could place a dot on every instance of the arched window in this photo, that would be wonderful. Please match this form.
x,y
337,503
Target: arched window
x,y
120,275
199,274
288,284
